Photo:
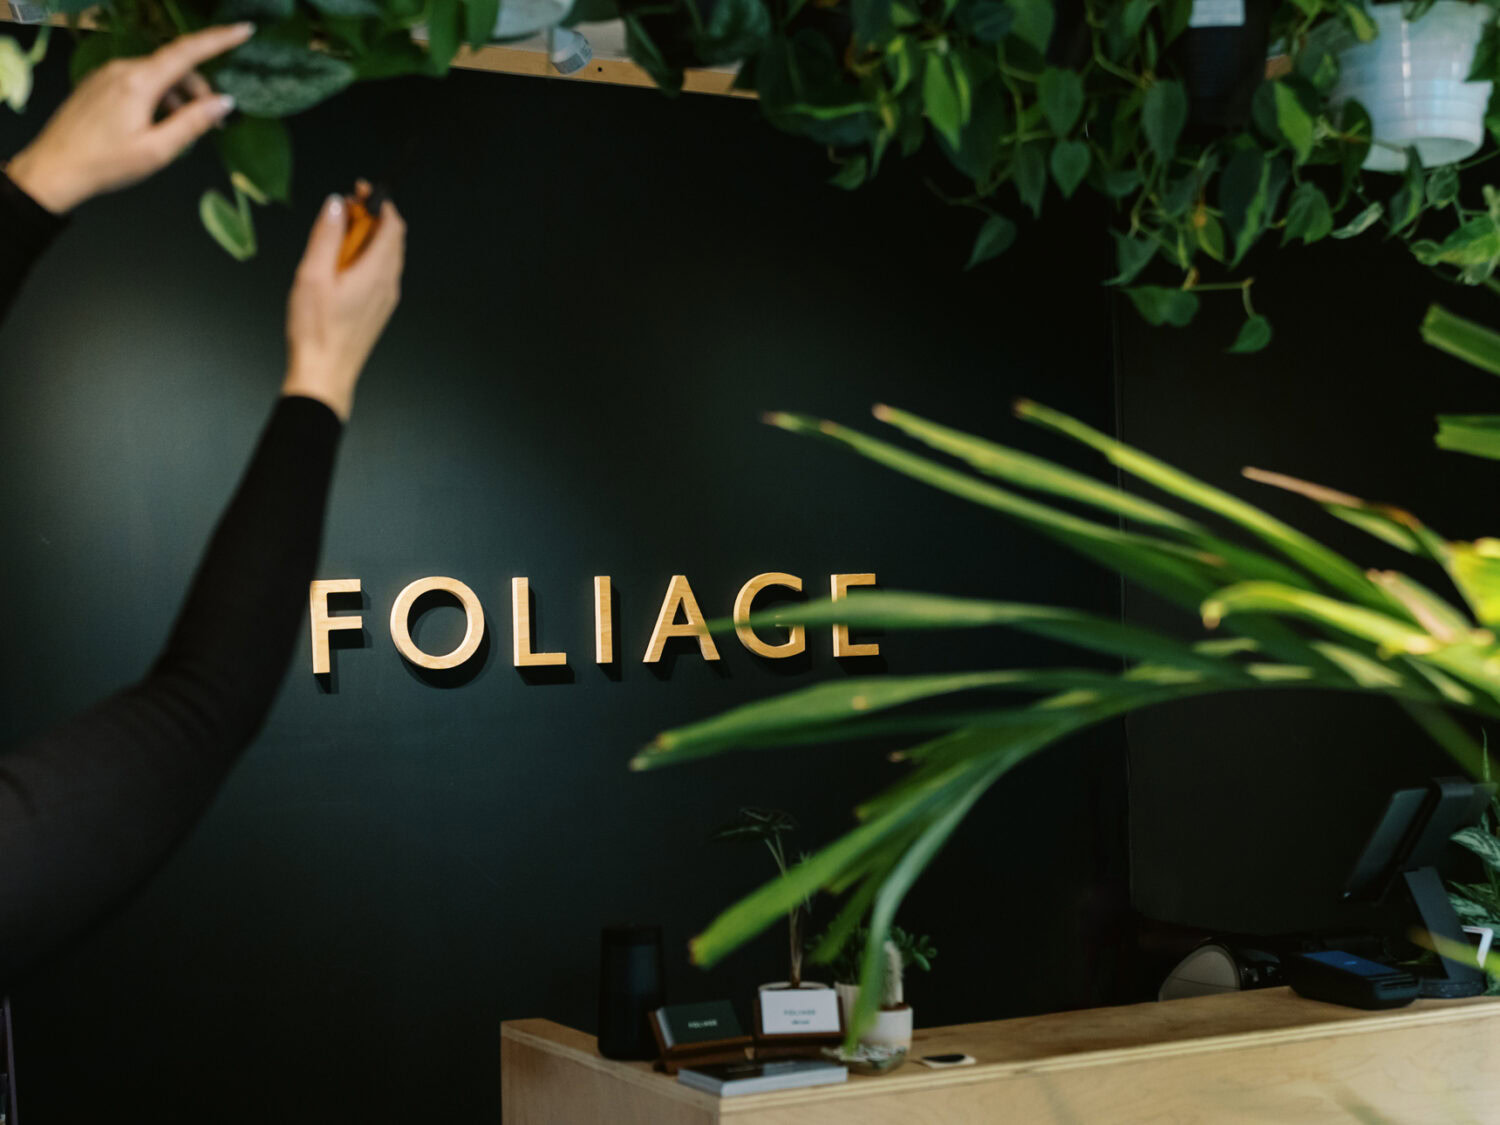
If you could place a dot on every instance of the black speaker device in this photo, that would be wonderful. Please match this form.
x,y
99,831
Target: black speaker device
x,y
630,988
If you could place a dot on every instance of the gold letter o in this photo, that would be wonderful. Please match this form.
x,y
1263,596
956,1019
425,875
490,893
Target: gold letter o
x,y
473,619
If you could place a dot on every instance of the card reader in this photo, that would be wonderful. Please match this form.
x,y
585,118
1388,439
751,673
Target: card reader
x,y
1337,977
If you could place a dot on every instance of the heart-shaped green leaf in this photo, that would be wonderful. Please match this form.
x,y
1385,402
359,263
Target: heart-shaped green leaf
x,y
1308,215
230,226
260,149
994,238
1163,114
1254,334
271,79
940,99
1060,93
1070,164
1132,255
1159,305
1295,123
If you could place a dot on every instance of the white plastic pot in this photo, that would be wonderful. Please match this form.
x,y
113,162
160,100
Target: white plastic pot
x,y
892,1028
1411,79
521,18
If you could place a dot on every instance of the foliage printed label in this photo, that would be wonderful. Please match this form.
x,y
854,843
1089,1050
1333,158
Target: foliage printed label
x,y
799,1011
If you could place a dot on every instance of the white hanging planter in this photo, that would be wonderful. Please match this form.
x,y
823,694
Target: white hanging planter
x,y
1411,79
519,19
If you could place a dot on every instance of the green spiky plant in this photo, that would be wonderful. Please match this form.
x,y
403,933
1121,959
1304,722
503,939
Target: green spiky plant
x,y
916,950
1478,904
1279,610
769,826
1476,434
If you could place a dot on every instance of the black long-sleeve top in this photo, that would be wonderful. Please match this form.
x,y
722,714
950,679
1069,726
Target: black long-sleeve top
x,y
91,808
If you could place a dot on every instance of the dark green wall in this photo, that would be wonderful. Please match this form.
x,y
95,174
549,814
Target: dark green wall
x,y
604,289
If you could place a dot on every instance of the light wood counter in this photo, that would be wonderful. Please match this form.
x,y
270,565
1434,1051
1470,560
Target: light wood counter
x,y
1264,1056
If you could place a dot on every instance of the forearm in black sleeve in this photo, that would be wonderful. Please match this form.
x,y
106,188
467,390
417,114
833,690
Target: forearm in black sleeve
x,y
26,229
91,808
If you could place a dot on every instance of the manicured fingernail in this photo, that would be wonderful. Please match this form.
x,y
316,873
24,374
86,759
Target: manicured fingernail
x,y
245,28
334,208
223,105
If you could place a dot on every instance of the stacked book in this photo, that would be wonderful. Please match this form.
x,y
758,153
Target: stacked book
x,y
729,1079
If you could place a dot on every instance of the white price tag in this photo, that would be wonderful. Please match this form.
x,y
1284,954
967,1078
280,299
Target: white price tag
x,y
1217,13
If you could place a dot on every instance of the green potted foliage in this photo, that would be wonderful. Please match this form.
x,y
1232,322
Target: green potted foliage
x,y
1279,610
303,52
1478,904
1411,77
1030,107
911,950
1202,154
768,826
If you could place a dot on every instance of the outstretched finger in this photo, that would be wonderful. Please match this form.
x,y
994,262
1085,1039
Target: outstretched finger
x,y
170,64
187,123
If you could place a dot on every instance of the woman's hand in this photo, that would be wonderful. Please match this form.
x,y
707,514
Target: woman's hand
x,y
106,136
333,316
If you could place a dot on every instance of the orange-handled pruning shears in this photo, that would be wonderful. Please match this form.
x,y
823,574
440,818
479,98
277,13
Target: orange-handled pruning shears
x,y
363,208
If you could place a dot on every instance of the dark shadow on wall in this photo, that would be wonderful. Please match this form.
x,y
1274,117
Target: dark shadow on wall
x,y
688,647
615,669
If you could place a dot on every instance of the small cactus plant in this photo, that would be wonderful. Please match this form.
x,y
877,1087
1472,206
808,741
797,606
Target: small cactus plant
x,y
891,997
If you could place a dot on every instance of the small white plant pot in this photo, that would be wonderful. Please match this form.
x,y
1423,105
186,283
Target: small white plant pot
x,y
521,18
1411,79
892,1028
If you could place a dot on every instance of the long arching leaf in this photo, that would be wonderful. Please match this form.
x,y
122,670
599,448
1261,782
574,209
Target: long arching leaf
x,y
902,609
1318,560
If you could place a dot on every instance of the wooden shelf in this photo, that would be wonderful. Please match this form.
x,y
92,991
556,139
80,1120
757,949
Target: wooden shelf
x,y
1267,1055
610,64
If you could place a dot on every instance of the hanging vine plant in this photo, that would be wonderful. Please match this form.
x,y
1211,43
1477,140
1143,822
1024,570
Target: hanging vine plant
x,y
1203,148
1165,107
303,52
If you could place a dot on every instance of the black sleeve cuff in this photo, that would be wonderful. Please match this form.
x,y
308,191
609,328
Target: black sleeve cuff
x,y
308,419
30,227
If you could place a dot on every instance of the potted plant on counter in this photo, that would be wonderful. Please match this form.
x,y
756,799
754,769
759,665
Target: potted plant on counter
x,y
768,826
844,962
1278,610
892,1026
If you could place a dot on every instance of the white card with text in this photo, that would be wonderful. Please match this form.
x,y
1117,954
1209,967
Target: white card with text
x,y
799,1011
